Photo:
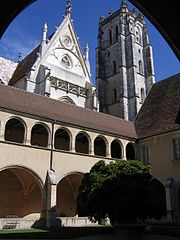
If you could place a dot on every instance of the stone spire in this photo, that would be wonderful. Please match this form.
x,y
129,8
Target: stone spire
x,y
86,57
124,6
123,3
68,8
44,39
45,29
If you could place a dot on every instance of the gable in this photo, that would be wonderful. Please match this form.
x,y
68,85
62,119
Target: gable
x,y
63,55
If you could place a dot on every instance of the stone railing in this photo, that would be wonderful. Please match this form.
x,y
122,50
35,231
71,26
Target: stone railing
x,y
68,87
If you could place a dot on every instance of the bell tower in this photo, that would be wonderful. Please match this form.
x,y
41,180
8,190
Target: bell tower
x,y
124,62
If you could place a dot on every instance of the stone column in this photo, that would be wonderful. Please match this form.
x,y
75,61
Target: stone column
x,y
91,147
1,132
124,151
28,136
51,189
108,150
73,144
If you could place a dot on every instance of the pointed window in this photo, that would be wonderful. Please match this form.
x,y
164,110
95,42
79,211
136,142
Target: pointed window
x,y
65,61
114,67
142,95
110,36
140,67
116,33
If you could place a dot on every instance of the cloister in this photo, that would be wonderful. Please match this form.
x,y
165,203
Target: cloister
x,y
44,155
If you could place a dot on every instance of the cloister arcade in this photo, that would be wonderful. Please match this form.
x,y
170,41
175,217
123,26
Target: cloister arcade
x,y
43,164
16,130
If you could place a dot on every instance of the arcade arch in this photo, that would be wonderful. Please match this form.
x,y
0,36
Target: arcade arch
x,y
100,146
62,139
40,135
15,130
157,198
67,192
130,152
116,149
82,143
21,193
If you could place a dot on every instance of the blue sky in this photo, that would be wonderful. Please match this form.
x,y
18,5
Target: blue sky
x,y
24,33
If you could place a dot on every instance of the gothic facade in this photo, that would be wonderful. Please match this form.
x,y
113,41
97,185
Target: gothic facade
x,y
57,68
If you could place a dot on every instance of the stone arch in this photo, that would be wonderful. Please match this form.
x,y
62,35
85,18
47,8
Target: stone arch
x,y
142,95
15,130
100,146
157,199
116,32
131,25
21,193
140,67
82,143
62,139
110,36
130,151
116,149
67,99
67,193
138,34
40,135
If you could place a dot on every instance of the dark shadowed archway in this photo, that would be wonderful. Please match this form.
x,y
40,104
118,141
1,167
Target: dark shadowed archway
x,y
116,150
157,200
39,135
82,143
67,192
100,146
130,152
21,193
62,140
14,130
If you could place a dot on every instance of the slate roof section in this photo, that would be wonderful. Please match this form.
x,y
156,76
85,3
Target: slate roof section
x,y
29,103
160,110
24,66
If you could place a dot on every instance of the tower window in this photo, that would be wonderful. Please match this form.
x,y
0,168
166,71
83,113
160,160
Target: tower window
x,y
142,95
110,36
114,95
116,33
140,67
114,67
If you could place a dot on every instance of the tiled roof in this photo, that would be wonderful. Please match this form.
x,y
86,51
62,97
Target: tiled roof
x,y
44,107
160,110
24,66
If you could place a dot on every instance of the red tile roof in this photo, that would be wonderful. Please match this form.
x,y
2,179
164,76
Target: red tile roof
x,y
44,107
24,66
160,110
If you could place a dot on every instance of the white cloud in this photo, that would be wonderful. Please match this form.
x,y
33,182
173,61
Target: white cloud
x,y
16,42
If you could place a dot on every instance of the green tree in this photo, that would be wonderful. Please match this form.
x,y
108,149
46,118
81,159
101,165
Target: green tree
x,y
119,190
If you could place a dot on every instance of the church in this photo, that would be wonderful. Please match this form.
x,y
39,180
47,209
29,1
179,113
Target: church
x,y
55,124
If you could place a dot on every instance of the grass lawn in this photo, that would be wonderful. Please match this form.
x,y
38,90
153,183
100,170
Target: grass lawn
x,y
62,233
